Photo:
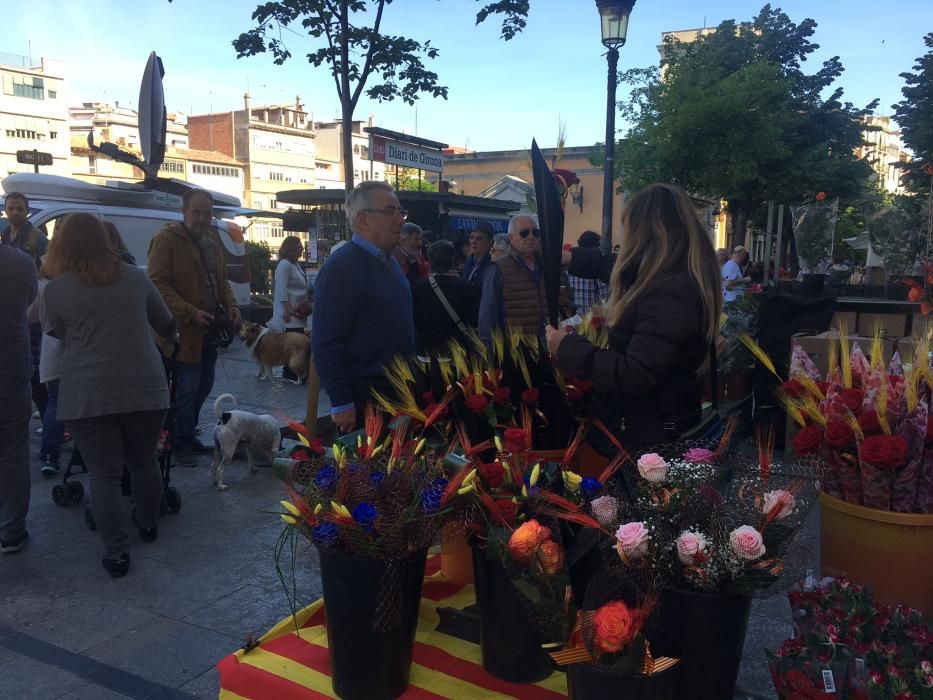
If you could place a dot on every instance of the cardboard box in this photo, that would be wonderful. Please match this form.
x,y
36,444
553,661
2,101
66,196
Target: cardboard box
x,y
894,325
817,347
849,318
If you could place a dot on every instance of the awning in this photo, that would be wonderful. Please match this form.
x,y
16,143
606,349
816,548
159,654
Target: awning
x,y
468,223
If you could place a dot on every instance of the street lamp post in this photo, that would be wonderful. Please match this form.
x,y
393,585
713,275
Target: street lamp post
x,y
614,15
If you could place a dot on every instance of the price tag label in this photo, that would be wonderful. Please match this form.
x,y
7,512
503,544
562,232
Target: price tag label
x,y
829,683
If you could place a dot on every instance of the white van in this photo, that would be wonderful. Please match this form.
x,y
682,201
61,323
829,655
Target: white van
x,y
137,212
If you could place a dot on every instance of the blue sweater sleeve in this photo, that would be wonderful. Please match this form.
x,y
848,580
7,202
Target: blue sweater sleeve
x,y
331,325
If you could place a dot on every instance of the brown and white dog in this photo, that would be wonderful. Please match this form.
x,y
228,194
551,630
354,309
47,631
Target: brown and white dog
x,y
273,349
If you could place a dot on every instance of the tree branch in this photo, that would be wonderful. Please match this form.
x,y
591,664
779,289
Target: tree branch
x,y
367,64
330,43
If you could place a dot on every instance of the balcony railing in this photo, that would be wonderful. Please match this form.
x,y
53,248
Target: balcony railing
x,y
14,60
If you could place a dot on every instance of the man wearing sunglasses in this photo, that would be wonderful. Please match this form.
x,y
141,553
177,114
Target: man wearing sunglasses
x,y
513,289
362,305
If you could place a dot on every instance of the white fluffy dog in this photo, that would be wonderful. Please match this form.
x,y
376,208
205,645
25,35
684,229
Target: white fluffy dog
x,y
260,434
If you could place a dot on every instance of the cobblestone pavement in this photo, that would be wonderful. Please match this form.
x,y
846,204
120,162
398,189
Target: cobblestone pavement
x,y
69,631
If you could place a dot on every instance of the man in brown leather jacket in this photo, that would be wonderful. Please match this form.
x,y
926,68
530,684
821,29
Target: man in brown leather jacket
x,y
513,289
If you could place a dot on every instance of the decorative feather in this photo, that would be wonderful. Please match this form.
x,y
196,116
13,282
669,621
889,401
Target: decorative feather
x,y
911,388
614,465
877,357
765,443
844,360
833,360
881,406
853,423
811,386
811,408
498,346
758,352
727,434
792,407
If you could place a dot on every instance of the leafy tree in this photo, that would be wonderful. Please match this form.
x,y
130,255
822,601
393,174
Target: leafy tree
x,y
733,116
359,54
914,114
260,266
408,181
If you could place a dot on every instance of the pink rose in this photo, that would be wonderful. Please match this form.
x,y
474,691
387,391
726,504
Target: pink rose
x,y
746,542
690,545
633,539
699,455
652,467
781,500
605,509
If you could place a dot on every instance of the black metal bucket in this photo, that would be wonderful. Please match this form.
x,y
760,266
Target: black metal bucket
x,y
711,629
510,646
590,682
366,663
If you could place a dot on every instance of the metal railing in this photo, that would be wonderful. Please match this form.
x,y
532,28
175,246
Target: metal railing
x,y
14,60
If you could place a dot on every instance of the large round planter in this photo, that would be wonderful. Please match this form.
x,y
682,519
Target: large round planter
x,y
510,646
589,682
711,630
890,552
368,664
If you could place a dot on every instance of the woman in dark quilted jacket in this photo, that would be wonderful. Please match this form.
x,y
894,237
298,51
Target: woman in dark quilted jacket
x,y
665,300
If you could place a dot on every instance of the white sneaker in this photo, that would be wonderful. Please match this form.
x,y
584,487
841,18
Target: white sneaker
x,y
35,414
39,430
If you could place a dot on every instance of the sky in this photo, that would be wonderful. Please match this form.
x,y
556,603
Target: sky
x,y
501,94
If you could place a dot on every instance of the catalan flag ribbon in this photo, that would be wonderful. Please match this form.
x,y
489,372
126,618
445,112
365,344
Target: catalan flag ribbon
x,y
295,665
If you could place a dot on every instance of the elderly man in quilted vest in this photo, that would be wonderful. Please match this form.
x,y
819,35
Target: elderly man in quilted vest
x,y
513,290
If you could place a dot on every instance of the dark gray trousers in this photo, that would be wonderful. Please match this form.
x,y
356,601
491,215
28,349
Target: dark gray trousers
x,y
15,412
107,443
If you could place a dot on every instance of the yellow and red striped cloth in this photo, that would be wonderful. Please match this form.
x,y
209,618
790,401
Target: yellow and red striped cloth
x,y
288,665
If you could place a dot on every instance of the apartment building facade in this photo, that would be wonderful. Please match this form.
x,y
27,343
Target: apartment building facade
x,y
884,150
329,158
33,113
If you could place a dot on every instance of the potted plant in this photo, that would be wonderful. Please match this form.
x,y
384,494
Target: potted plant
x,y
736,364
814,225
897,237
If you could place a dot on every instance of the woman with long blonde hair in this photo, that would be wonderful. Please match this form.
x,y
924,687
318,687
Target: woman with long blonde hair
x,y
113,394
665,300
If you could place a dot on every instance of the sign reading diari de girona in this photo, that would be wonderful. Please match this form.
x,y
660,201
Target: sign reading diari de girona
x,y
404,155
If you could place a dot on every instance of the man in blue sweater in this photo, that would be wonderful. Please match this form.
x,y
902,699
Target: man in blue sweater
x,y
362,305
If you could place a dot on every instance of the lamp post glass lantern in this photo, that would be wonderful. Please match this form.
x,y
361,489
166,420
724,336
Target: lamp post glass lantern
x,y
614,15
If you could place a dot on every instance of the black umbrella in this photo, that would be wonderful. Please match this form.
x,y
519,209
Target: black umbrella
x,y
551,222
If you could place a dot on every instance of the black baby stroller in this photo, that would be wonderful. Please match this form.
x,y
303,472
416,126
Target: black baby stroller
x,y
72,492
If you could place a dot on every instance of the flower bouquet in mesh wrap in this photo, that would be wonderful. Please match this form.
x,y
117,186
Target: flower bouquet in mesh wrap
x,y
688,526
846,645
870,421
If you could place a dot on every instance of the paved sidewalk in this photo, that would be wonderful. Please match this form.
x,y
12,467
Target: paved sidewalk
x,y
69,631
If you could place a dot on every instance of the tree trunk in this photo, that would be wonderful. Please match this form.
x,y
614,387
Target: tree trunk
x,y
346,146
739,215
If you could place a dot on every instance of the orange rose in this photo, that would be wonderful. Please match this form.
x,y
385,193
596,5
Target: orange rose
x,y
525,541
614,626
551,557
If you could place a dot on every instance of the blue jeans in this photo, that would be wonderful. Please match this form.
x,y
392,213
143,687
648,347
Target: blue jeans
x,y
53,431
193,384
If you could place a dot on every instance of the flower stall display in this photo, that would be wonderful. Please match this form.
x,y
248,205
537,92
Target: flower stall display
x,y
710,543
870,423
371,508
846,645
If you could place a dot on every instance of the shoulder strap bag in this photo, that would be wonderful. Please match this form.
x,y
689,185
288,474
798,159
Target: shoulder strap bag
x,y
441,297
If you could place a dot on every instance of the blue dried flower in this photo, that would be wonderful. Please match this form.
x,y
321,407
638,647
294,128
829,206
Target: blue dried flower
x,y
324,534
590,486
533,491
431,498
376,478
326,478
365,515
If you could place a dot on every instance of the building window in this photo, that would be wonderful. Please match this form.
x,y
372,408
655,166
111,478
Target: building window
x,y
53,134
23,134
276,176
356,148
92,165
364,152
272,203
53,94
24,86
356,174
173,166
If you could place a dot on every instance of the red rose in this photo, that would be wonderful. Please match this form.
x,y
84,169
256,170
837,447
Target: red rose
x,y
915,294
530,397
492,474
808,440
573,394
869,423
477,403
506,511
884,451
839,434
501,396
794,389
516,440
852,399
